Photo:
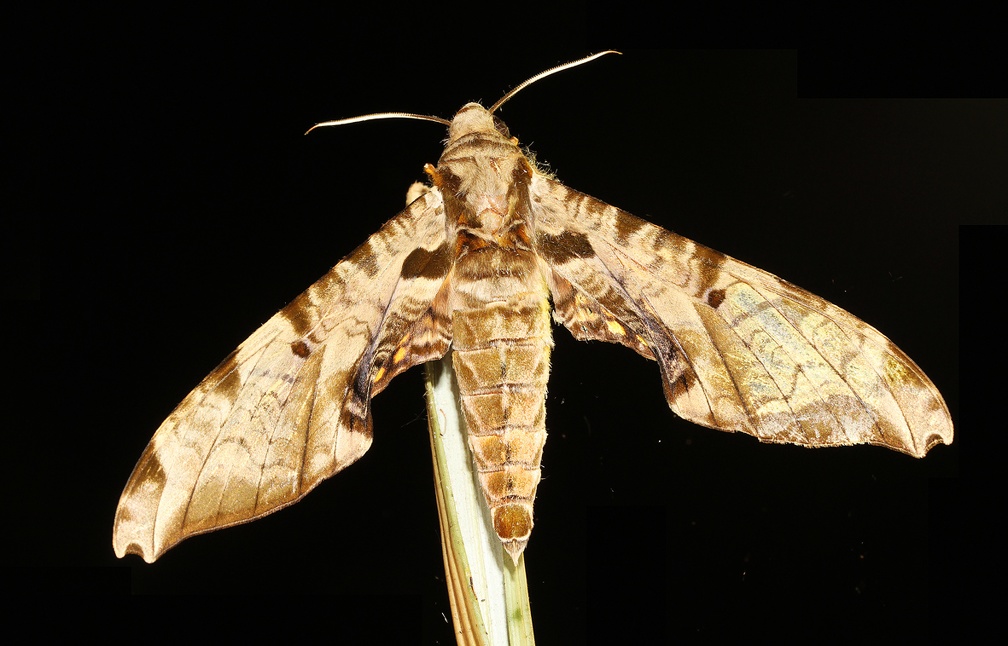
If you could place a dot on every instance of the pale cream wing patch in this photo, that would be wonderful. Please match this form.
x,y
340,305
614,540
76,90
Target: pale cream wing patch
x,y
290,406
739,348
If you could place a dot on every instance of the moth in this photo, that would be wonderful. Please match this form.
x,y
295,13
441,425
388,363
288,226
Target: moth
x,y
477,265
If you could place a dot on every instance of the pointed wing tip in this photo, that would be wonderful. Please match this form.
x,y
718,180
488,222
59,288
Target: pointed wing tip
x,y
943,436
148,555
129,537
929,430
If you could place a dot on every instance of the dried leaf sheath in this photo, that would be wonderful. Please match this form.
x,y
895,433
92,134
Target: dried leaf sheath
x,y
473,263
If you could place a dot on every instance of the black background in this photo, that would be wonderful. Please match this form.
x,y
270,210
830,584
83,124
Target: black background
x,y
192,208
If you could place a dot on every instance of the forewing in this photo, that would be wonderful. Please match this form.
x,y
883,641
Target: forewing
x,y
739,348
290,406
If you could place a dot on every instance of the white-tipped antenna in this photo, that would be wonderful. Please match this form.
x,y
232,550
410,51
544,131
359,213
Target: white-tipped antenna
x,y
541,75
380,115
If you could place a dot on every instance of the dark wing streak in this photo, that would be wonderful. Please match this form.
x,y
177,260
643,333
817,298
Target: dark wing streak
x,y
841,346
367,354
731,374
159,507
754,420
653,322
376,340
625,258
257,371
650,322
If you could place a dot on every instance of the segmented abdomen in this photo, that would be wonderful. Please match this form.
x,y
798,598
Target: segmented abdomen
x,y
501,358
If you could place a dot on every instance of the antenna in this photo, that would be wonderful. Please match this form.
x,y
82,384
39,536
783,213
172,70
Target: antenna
x,y
446,122
542,75
380,115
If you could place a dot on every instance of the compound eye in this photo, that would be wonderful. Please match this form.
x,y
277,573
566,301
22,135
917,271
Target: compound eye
x,y
501,127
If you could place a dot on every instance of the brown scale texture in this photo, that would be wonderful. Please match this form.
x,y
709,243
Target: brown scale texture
x,y
501,358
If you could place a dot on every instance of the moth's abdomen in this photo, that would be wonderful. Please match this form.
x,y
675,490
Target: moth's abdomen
x,y
501,359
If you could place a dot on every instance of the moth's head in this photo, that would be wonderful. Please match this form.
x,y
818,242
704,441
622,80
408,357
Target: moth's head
x,y
474,119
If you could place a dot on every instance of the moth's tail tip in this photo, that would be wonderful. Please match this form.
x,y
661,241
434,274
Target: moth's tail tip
x,y
513,523
515,548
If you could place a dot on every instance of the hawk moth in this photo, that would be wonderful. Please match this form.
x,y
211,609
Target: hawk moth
x,y
476,265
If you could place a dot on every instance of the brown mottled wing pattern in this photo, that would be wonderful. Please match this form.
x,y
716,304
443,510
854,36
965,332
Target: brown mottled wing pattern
x,y
739,349
290,406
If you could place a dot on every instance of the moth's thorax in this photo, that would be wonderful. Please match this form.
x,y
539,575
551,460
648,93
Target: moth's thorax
x,y
483,175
